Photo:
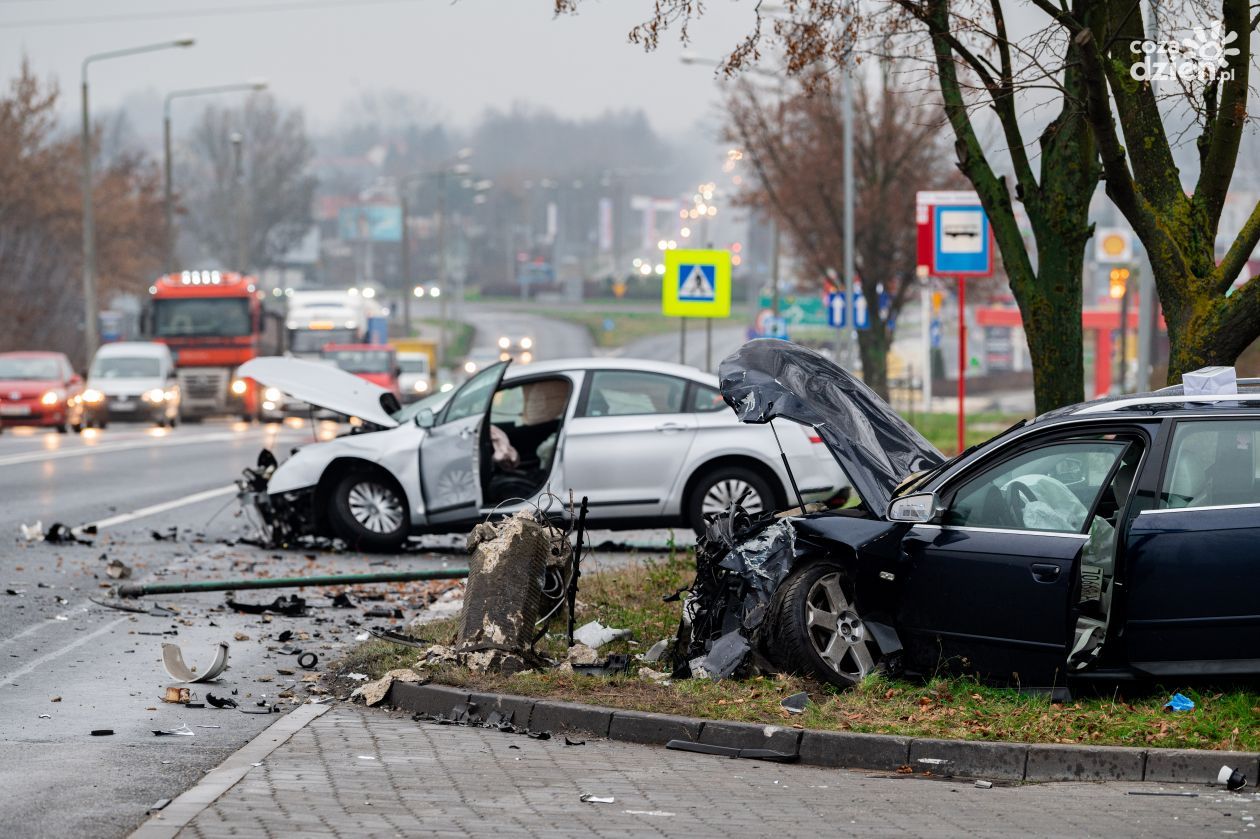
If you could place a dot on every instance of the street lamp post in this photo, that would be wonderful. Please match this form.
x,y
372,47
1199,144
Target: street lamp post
x,y
238,195
90,336
169,204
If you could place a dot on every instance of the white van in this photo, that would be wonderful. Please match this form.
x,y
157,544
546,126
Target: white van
x,y
132,380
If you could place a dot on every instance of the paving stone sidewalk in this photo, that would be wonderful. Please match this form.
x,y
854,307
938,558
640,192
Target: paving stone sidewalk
x,y
356,772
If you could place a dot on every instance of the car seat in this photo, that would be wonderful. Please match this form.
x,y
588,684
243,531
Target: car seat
x,y
1233,475
1189,478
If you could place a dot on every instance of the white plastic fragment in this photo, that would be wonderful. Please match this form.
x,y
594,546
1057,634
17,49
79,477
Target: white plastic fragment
x,y
1210,381
32,532
173,661
984,785
596,635
597,799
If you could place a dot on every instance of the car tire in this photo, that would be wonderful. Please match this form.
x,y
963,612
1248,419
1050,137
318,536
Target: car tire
x,y
368,511
63,429
714,491
816,630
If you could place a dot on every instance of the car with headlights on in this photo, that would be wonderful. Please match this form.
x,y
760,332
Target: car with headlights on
x,y
40,389
1111,540
649,444
132,381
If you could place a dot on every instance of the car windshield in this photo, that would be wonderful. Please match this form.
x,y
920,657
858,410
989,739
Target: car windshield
x,y
201,317
361,361
29,368
414,365
915,480
126,368
314,340
433,402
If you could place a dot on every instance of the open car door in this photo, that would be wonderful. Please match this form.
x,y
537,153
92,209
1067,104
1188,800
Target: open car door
x,y
450,453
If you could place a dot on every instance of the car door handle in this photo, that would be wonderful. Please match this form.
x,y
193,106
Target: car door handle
x,y
671,426
1044,572
465,433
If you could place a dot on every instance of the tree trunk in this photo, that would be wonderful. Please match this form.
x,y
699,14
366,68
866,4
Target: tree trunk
x,y
873,348
1054,342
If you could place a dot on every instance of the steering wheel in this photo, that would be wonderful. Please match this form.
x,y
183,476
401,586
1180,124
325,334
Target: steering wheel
x,y
1017,497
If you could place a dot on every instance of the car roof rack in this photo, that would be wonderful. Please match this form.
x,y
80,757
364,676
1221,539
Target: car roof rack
x,y
1161,398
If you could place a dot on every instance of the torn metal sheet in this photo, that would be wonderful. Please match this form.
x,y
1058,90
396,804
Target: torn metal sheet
x,y
770,755
767,378
173,661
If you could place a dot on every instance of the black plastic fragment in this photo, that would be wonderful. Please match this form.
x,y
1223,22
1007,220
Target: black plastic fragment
x,y
225,702
569,742
307,661
289,605
615,663
102,732
795,704
770,755
343,601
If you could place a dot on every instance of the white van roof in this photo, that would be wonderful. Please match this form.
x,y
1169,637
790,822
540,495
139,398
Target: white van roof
x,y
133,349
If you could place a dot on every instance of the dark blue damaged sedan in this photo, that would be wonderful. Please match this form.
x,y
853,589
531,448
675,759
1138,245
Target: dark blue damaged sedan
x,y
1113,539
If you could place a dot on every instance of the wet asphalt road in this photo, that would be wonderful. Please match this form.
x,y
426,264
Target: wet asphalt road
x,y
87,666
104,664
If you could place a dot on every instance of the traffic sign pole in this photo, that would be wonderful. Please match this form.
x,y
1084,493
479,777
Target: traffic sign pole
x,y
962,362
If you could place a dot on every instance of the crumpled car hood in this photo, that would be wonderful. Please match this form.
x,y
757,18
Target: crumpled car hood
x,y
768,378
324,386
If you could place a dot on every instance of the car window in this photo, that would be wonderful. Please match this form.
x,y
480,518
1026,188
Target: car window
x,y
706,400
1049,488
474,395
624,392
1212,463
531,403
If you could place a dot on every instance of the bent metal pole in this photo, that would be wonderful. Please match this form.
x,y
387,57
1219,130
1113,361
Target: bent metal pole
x,y
142,589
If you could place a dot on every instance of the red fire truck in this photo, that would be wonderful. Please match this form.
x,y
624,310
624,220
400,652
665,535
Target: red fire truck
x,y
213,322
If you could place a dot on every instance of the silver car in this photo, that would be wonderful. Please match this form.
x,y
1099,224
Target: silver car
x,y
648,443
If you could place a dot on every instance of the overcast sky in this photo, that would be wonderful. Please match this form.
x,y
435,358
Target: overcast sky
x,y
462,56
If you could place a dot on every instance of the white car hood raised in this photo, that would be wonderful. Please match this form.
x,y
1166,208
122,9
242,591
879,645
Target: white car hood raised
x,y
324,386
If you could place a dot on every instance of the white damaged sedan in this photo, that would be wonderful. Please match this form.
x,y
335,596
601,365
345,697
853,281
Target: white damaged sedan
x,y
649,444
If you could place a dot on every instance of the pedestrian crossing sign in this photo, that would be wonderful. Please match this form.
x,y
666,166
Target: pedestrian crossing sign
x,y
697,284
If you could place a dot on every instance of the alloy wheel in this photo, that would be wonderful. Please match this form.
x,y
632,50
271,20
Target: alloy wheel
x,y
731,490
375,506
835,630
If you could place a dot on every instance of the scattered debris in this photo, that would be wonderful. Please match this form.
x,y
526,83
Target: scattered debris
x,y
984,785
1163,793
358,677
795,704
343,601
225,702
240,636
45,716
396,637
61,534
658,676
569,742
183,730
615,664
366,757
55,699
160,804
1231,779
102,732
384,612
307,660
597,799
374,692
770,755
31,532
169,535
649,813
288,605
116,569
655,651
1179,702
596,635
173,661
177,695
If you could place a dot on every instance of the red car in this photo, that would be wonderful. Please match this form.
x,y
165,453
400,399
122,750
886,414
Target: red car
x,y
40,388
377,363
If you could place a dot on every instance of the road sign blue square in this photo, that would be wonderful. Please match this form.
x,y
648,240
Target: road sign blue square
x,y
697,282
960,241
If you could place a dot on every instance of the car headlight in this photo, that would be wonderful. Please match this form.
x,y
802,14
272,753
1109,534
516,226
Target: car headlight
x,y
470,367
92,396
527,343
421,386
272,394
52,397
155,395
505,342
239,387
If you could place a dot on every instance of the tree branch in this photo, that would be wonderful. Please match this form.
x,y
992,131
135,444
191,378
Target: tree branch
x,y
1239,252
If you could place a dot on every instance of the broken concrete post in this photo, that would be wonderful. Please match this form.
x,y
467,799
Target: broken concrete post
x,y
504,594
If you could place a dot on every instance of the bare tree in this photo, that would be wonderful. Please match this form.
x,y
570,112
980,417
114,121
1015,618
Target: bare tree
x,y
41,223
268,202
795,148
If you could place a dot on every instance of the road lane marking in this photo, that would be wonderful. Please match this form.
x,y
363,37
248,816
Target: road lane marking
x,y
123,518
84,451
60,651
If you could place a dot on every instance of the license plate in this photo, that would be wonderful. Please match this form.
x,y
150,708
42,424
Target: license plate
x,y
15,410
122,405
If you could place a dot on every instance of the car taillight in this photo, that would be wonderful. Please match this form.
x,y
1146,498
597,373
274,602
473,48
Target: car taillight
x,y
814,438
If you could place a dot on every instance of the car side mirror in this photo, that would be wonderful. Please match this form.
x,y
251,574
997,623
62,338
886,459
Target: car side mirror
x,y
425,418
919,508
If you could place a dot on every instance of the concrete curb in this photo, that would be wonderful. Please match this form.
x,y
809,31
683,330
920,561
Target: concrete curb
x,y
176,815
842,749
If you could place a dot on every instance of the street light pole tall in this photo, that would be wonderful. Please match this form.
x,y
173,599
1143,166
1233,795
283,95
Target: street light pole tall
x,y
169,203
847,110
90,336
